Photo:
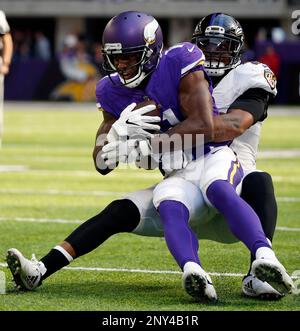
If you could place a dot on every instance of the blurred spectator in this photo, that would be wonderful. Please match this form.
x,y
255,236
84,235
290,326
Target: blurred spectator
x,y
261,34
248,54
278,35
22,45
42,49
271,59
24,52
80,73
97,58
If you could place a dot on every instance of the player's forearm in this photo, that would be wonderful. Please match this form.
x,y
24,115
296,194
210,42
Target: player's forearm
x,y
189,133
227,127
101,140
7,49
99,163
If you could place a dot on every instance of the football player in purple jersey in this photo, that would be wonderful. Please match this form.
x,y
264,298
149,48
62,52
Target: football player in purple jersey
x,y
177,82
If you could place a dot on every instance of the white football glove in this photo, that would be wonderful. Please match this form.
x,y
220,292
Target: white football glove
x,y
169,161
133,123
119,151
175,160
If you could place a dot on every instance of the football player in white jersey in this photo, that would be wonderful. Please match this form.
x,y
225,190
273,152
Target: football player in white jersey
x,y
242,89
6,51
141,215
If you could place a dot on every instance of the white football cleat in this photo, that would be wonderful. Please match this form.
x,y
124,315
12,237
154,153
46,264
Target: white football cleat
x,y
197,282
272,271
26,273
255,288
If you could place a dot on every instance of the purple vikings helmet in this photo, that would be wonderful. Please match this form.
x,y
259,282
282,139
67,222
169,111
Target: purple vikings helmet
x,y
221,38
133,33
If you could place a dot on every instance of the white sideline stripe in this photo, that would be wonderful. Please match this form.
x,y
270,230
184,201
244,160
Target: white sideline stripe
x,y
148,271
59,220
99,193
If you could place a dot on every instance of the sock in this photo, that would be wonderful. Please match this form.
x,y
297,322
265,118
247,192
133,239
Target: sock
x,y
55,260
181,240
264,203
242,220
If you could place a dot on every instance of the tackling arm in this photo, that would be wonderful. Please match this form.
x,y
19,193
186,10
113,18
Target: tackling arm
x,y
104,128
245,111
196,106
230,125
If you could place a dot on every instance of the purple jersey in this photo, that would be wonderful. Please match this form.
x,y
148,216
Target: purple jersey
x,y
162,87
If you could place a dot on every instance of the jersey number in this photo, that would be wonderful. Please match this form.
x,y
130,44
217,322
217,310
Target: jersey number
x,y
168,115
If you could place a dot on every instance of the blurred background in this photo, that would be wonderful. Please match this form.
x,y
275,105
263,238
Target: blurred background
x,y
57,42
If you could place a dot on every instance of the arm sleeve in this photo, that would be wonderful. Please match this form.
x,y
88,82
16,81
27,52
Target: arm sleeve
x,y
255,101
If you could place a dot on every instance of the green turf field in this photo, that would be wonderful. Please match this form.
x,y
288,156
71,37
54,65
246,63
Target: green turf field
x,y
48,185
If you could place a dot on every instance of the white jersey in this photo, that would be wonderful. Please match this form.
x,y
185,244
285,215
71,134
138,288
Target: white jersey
x,y
234,84
4,27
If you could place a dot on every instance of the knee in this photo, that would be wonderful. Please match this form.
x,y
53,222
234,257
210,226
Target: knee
x,y
255,180
178,189
221,192
124,214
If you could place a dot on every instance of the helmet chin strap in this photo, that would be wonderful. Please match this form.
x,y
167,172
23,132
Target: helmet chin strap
x,y
138,78
134,81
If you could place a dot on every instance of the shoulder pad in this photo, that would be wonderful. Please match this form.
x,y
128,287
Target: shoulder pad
x,y
186,56
256,75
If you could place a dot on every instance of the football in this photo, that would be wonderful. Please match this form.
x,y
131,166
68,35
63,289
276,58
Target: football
x,y
154,112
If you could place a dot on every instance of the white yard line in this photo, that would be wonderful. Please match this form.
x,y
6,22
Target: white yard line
x,y
288,199
285,228
97,193
148,271
279,153
39,220
64,221
13,168
62,192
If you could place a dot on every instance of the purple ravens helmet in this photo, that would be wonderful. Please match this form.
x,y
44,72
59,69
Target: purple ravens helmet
x,y
221,38
133,33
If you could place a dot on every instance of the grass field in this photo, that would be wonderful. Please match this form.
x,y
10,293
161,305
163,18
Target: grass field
x,y
48,185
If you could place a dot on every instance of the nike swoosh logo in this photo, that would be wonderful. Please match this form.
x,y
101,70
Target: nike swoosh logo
x,y
214,152
191,49
128,122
